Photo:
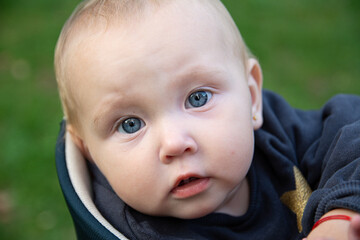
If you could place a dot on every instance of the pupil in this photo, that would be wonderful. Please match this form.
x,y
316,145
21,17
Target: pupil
x,y
198,99
131,125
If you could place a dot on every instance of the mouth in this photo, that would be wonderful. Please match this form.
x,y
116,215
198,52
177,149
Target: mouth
x,y
189,185
187,181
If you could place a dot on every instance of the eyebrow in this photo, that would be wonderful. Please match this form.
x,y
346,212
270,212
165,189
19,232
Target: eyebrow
x,y
199,72
106,107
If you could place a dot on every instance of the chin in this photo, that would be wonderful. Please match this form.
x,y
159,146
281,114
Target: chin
x,y
192,213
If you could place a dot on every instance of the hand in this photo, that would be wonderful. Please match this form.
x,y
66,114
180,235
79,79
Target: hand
x,y
354,230
337,229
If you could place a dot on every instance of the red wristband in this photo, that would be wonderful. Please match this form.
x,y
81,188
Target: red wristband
x,y
333,217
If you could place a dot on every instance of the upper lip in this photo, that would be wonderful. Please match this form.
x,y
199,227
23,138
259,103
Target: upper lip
x,y
185,177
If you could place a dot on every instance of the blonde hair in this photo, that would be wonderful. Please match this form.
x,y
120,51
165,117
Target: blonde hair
x,y
90,14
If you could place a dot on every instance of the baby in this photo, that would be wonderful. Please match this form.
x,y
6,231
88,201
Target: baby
x,y
163,98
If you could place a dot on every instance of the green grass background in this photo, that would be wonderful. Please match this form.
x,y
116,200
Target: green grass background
x,y
309,50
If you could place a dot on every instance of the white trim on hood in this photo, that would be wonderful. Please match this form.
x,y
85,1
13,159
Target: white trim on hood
x,y
80,179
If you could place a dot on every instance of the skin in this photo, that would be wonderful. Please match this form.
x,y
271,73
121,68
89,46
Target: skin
x,y
150,78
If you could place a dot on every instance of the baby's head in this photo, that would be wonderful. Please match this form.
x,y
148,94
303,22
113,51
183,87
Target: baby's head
x,y
162,96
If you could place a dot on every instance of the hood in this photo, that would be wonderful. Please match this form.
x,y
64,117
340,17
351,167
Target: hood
x,y
76,187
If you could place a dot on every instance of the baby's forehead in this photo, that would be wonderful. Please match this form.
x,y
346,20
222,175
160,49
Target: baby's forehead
x,y
135,13
94,34
90,26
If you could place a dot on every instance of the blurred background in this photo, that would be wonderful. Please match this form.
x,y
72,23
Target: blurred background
x,y
309,50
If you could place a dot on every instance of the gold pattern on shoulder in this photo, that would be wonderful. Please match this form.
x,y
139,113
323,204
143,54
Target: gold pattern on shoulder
x,y
297,199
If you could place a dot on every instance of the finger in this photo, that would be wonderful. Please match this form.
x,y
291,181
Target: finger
x,y
354,230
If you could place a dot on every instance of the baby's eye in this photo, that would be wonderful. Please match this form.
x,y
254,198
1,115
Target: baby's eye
x,y
130,125
198,99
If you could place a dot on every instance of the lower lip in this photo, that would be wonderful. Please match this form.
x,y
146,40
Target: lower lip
x,y
191,189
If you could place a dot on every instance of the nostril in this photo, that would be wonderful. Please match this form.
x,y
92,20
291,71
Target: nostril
x,y
170,157
187,150
174,148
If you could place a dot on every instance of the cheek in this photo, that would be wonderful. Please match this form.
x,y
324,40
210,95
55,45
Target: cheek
x,y
233,139
130,174
239,151
232,166
116,165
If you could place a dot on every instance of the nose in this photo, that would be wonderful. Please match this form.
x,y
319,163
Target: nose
x,y
176,142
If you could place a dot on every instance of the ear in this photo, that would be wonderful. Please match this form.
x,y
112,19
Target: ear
x,y
79,142
255,81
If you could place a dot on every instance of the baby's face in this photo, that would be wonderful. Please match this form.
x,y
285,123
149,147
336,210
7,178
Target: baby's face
x,y
166,114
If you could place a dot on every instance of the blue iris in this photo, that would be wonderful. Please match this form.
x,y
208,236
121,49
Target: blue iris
x,y
199,98
130,125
